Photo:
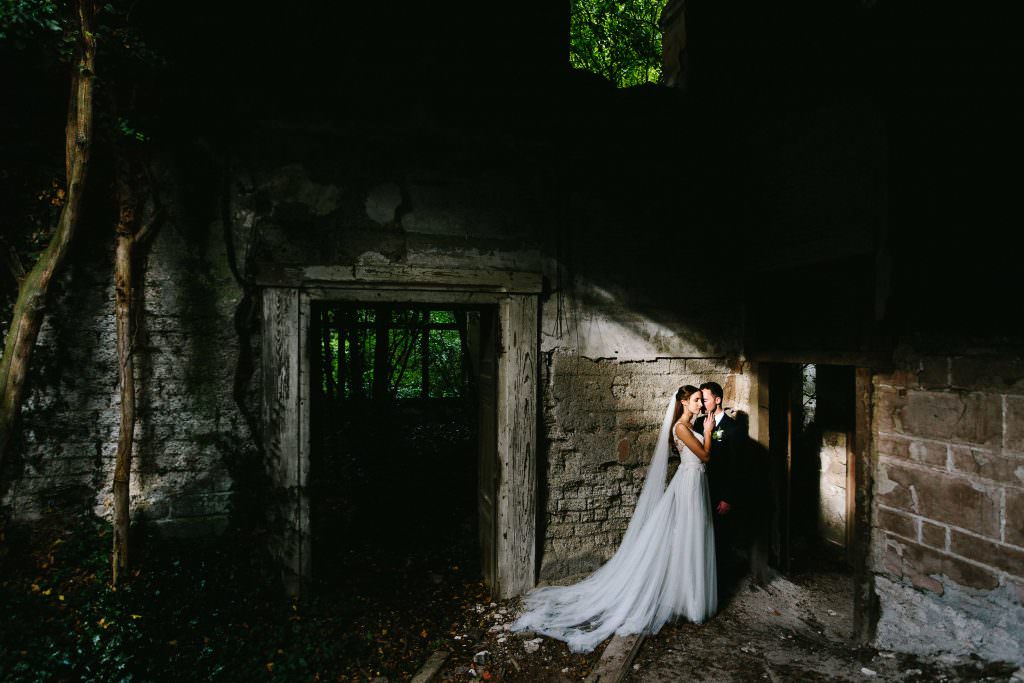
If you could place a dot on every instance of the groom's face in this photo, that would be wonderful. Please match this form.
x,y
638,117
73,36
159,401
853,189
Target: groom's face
x,y
711,402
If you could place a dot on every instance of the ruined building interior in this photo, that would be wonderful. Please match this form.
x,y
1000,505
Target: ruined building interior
x,y
438,289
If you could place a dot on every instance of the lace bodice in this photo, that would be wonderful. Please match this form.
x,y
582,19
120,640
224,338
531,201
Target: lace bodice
x,y
688,458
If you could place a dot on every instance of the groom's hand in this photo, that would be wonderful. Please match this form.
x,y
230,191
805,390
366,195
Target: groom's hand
x,y
723,508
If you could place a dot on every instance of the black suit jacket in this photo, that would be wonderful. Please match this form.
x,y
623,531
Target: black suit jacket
x,y
724,466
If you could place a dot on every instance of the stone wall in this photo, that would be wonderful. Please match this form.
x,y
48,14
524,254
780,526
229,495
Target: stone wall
x,y
949,505
617,337
601,419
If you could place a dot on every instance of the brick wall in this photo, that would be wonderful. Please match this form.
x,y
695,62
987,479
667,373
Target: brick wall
x,y
190,434
949,505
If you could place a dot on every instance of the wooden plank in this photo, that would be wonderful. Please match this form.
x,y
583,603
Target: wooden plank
x,y
375,296
431,667
860,359
401,277
517,445
865,604
483,344
281,424
616,659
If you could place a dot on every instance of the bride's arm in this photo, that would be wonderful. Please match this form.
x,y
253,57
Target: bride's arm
x,y
686,435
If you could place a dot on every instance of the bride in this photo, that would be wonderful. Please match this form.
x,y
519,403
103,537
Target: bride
x,y
664,567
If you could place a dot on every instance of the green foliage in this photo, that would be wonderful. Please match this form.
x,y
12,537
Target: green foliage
x,y
197,610
350,349
617,39
22,21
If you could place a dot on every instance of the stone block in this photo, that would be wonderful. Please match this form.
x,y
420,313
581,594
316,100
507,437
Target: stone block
x,y
940,497
997,373
918,560
893,447
928,453
933,535
893,487
988,465
889,405
895,522
1014,436
1014,522
988,552
975,418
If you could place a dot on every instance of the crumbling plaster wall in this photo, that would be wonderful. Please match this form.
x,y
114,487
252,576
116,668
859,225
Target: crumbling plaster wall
x,y
948,522
620,329
190,439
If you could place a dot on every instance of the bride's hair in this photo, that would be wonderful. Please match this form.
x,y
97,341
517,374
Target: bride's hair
x,y
685,392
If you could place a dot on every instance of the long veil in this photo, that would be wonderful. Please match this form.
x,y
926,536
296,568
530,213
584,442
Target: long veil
x,y
607,601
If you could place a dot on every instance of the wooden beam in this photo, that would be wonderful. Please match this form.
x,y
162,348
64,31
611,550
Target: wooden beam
x,y
878,360
517,446
282,428
400,277
865,602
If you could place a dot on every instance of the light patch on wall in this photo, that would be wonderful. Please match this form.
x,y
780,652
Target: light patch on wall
x,y
595,323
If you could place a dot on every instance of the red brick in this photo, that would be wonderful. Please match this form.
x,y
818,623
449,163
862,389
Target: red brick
x,y
896,523
933,535
975,418
1015,517
988,552
623,450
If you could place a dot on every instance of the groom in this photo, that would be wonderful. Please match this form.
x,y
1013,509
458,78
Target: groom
x,y
723,481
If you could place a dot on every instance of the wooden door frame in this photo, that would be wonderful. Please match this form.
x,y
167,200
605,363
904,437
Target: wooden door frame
x,y
860,465
287,299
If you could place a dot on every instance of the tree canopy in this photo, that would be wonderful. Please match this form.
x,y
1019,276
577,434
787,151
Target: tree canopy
x,y
617,39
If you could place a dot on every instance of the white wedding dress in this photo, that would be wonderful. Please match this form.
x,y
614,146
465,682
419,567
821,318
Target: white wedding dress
x,y
664,567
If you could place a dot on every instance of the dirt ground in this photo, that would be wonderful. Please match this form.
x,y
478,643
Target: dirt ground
x,y
790,630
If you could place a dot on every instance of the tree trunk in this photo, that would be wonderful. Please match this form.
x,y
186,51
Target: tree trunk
x,y
131,244
123,297
33,290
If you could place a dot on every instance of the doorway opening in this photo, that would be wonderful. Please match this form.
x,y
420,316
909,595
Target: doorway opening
x,y
813,429
396,445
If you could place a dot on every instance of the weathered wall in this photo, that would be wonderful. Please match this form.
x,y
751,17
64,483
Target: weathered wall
x,y
618,335
601,421
190,437
949,505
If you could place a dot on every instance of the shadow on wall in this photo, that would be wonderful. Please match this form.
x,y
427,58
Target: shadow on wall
x,y
759,509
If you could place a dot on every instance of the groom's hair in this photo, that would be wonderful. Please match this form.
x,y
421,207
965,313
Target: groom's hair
x,y
715,388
